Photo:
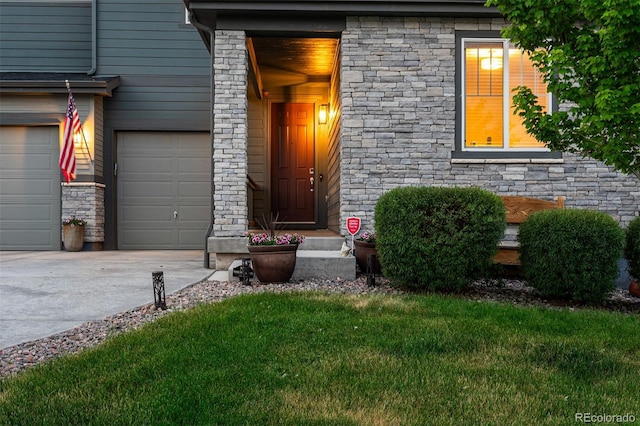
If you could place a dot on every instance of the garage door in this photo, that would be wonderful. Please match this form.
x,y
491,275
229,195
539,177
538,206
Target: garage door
x,y
29,188
163,190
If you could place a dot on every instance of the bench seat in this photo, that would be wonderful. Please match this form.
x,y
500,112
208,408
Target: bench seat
x,y
518,210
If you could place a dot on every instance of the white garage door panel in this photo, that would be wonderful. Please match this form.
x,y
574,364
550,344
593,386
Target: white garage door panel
x,y
15,162
25,187
35,216
192,165
29,188
148,189
149,166
150,213
194,189
193,214
186,237
155,238
159,174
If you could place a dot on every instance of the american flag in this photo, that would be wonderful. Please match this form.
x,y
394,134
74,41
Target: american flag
x,y
67,153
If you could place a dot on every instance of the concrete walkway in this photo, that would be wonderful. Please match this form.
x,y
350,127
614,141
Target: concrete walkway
x,y
46,292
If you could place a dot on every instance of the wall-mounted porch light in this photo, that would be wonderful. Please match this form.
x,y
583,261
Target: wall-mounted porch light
x,y
323,113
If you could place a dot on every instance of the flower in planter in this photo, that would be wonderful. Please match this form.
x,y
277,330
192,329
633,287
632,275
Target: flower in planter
x,y
74,221
271,237
264,239
367,237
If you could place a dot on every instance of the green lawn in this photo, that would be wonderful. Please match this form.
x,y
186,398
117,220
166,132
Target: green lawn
x,y
315,359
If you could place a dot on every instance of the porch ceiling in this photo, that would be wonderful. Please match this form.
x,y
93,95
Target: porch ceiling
x,y
312,58
316,16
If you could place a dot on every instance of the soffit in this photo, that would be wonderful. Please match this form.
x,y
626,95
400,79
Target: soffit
x,y
28,82
312,57
349,7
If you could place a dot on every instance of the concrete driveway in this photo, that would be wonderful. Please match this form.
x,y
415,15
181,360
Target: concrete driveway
x,y
46,292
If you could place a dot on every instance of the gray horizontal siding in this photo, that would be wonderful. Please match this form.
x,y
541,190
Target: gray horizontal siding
x,y
142,38
169,103
163,65
45,37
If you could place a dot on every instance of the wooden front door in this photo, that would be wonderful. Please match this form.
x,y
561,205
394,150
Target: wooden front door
x,y
292,162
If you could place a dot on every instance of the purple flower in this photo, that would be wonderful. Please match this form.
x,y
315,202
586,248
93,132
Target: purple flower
x,y
264,239
74,221
367,237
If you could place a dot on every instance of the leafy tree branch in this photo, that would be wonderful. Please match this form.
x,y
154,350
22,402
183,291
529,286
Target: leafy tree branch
x,y
588,52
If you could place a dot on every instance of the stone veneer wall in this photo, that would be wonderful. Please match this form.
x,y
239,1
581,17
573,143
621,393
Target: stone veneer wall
x,y
230,134
398,126
86,201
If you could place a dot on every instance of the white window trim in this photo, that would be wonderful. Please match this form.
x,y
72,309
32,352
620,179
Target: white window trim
x,y
505,101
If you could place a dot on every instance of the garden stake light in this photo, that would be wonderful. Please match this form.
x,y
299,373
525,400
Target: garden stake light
x,y
159,297
371,276
247,272
244,271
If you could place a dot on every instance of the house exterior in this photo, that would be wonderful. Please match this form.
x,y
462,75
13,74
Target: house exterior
x,y
140,77
306,109
416,92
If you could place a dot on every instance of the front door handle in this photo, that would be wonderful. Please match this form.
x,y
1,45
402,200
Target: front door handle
x,y
311,181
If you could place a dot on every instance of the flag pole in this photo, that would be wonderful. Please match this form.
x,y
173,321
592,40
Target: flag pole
x,y
86,145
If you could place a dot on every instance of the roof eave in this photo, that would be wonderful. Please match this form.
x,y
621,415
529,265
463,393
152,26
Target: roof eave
x,y
469,8
102,87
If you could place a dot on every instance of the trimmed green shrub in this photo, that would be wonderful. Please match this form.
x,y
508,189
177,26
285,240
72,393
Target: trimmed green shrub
x,y
571,254
632,248
437,238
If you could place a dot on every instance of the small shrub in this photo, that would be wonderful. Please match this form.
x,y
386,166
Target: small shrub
x,y
437,238
571,254
632,248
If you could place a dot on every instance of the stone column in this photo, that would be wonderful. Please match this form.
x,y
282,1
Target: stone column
x,y
230,134
85,200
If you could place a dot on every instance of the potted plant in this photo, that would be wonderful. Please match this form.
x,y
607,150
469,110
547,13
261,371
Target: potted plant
x,y
632,254
273,255
365,245
73,233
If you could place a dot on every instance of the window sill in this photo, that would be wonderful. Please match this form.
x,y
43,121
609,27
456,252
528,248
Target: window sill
x,y
507,161
506,157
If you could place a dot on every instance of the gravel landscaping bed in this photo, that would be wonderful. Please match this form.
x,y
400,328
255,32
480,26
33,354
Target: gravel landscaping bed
x,y
25,355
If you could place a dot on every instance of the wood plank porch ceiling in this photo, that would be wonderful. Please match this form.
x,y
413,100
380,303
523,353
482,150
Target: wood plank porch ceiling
x,y
308,56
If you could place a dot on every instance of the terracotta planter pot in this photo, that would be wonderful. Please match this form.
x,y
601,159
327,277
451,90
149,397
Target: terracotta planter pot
x,y
73,237
634,288
362,250
273,264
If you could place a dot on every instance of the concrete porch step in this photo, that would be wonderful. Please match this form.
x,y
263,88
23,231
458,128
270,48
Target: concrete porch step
x,y
319,264
322,243
318,257
324,264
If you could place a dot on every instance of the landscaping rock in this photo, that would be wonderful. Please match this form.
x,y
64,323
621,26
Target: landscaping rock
x,y
25,355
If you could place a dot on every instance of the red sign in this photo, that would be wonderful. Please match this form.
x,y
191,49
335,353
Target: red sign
x,y
353,225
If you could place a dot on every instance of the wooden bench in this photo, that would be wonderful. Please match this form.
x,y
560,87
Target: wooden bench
x,y
518,209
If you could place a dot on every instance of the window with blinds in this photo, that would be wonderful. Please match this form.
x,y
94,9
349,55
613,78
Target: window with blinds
x,y
492,69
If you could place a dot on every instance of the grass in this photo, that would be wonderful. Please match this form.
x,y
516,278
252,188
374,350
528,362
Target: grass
x,y
315,359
